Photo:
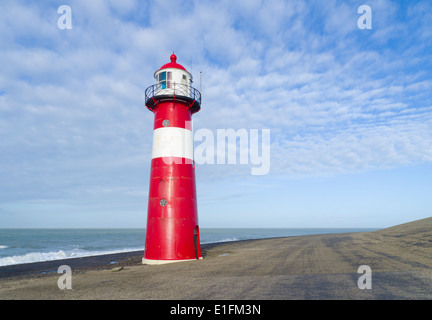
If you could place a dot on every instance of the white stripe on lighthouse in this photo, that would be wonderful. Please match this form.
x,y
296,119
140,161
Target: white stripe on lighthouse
x,y
172,142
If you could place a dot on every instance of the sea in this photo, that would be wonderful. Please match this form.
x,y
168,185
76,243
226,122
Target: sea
x,y
18,246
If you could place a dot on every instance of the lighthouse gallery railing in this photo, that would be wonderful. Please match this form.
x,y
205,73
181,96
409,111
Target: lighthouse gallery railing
x,y
172,89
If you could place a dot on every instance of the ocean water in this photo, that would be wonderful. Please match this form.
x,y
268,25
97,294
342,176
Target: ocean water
x,y
34,245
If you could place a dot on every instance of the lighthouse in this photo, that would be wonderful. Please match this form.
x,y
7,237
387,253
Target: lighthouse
x,y
172,232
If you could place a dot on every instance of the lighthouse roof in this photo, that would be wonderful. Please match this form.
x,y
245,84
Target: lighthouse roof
x,y
173,64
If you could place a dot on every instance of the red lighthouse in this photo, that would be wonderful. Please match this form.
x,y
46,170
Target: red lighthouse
x,y
172,219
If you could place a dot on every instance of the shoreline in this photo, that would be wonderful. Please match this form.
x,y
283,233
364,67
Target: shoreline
x,y
51,266
23,265
86,263
313,267
113,260
217,242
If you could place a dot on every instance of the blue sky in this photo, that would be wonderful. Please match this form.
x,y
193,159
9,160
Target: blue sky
x,y
349,110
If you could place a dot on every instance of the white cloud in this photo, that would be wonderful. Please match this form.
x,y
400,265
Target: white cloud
x,y
73,119
355,149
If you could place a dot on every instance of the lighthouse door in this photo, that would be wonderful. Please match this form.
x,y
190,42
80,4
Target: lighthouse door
x,y
196,242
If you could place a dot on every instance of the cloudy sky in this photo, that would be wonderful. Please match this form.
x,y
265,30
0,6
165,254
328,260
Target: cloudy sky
x,y
349,110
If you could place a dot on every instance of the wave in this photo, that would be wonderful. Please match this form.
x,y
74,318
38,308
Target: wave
x,y
58,255
3,246
75,253
222,240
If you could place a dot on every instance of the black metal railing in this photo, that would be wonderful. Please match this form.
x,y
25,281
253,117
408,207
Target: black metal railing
x,y
172,89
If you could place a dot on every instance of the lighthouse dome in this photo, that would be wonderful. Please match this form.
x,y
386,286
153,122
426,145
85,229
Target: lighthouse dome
x,y
173,64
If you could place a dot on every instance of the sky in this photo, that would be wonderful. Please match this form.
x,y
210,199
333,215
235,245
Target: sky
x,y
349,110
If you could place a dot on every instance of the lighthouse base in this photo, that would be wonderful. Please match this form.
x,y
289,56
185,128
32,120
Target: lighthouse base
x,y
156,262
